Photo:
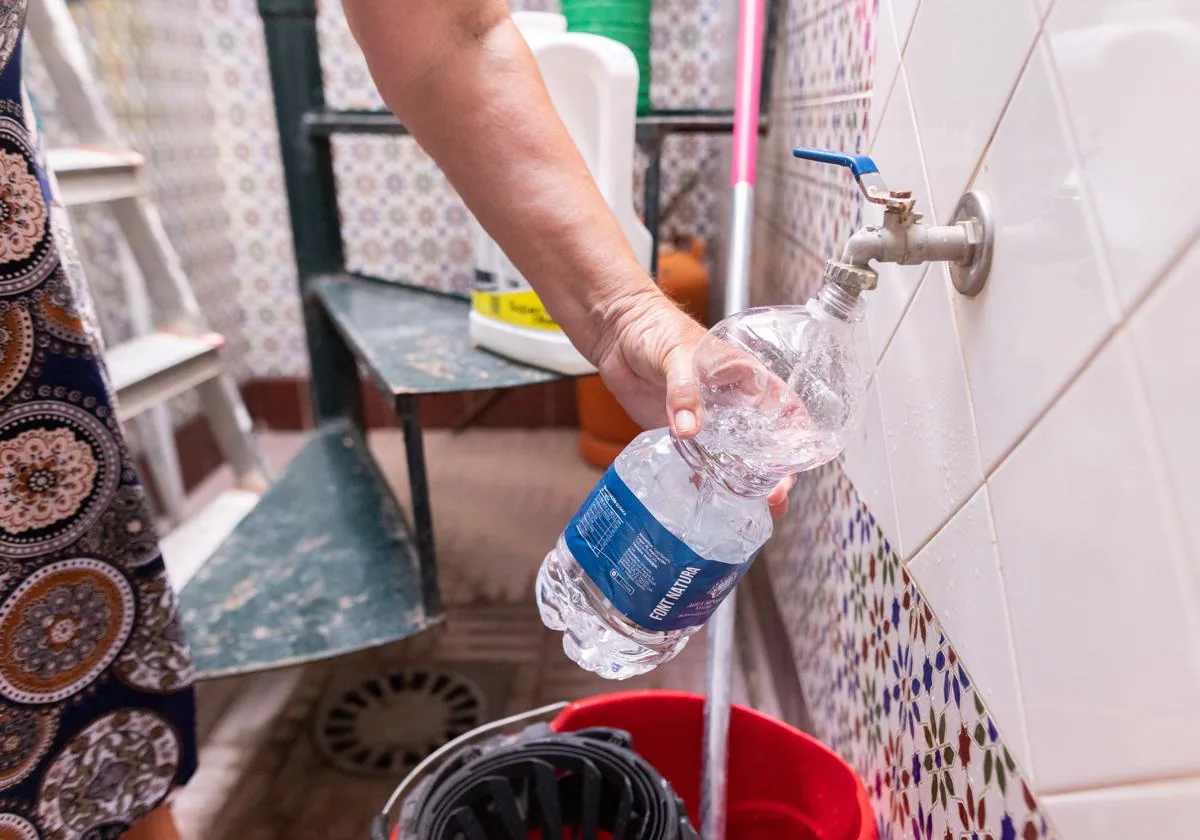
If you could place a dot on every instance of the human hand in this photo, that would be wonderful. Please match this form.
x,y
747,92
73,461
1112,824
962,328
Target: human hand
x,y
645,359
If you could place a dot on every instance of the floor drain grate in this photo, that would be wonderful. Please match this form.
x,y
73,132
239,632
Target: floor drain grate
x,y
385,724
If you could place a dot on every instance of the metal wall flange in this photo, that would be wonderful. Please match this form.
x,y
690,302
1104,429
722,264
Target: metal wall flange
x,y
975,209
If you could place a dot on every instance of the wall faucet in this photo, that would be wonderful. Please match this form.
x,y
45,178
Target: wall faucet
x,y
966,243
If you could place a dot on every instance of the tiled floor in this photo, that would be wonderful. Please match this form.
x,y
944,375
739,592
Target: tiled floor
x,y
499,499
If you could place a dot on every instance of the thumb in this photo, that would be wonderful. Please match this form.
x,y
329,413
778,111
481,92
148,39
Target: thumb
x,y
683,394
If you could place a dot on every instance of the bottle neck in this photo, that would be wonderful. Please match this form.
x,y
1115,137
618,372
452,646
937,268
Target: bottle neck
x,y
840,303
727,474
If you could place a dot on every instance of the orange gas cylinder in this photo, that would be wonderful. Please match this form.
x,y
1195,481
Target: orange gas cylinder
x,y
604,427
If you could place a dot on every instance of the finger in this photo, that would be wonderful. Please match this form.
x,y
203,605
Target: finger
x,y
683,395
779,509
749,381
777,501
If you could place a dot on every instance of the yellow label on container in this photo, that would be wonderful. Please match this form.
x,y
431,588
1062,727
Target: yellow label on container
x,y
521,309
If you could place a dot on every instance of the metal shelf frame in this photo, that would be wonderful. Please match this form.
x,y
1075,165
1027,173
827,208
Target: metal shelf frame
x,y
320,124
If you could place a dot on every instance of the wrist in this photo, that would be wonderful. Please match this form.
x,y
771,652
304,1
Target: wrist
x,y
620,301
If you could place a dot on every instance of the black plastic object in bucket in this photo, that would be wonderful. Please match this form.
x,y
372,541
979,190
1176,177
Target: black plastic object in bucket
x,y
783,785
539,783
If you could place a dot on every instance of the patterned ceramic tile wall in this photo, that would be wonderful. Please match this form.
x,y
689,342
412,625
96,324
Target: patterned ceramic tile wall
x,y
150,56
884,685
820,97
270,336
198,98
150,60
94,232
401,219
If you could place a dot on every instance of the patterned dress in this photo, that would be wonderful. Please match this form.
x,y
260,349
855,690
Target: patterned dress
x,y
96,705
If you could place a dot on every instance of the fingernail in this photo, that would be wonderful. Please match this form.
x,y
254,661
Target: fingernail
x,y
685,422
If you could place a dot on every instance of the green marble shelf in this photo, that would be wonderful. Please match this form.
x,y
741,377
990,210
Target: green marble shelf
x,y
415,342
323,565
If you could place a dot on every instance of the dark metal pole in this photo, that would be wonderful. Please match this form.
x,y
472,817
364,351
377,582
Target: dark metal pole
x,y
774,10
651,196
291,36
418,481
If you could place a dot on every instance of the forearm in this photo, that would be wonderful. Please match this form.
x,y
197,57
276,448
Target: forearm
x,y
462,80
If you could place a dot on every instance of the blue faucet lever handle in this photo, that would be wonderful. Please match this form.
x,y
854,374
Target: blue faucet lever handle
x,y
858,164
866,173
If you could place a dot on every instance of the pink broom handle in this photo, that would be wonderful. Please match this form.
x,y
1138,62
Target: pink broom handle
x,y
749,88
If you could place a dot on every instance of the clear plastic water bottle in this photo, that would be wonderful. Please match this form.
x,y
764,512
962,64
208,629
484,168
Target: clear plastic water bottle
x,y
674,524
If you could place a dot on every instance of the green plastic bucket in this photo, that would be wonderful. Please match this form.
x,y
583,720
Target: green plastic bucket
x,y
625,21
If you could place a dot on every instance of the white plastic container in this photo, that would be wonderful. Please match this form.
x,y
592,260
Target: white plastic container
x,y
593,83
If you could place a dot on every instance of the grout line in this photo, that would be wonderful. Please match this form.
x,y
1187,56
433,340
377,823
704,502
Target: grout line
x,y
1104,342
798,103
1158,464
1158,453
1130,784
1025,768
1027,741
966,379
902,78
1089,359
941,526
1012,92
1037,422
809,21
912,24
873,130
903,314
1100,347
1177,258
885,7
1091,211
873,381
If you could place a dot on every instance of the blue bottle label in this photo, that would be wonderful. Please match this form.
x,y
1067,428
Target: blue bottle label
x,y
645,571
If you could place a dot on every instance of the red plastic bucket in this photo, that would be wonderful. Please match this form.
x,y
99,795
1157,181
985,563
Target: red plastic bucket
x,y
783,785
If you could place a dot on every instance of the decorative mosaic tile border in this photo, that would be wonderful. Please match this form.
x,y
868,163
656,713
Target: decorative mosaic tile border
x,y
884,686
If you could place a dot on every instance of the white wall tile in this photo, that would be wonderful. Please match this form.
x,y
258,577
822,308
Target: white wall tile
x,y
1165,342
887,66
927,415
1128,70
1165,810
866,463
1048,304
959,572
962,61
1104,631
897,151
